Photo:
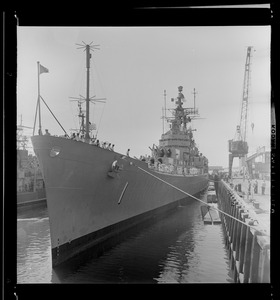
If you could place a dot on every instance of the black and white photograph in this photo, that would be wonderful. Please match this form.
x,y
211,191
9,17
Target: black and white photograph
x,y
143,154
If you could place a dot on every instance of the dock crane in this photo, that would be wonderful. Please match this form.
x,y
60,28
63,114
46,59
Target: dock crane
x,y
238,147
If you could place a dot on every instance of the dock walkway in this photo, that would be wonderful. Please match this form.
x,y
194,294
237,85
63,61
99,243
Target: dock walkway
x,y
257,204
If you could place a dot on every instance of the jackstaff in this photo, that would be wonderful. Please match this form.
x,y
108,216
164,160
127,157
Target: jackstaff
x,y
41,69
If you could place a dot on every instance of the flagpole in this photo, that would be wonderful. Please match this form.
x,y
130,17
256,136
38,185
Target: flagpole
x,y
39,108
35,117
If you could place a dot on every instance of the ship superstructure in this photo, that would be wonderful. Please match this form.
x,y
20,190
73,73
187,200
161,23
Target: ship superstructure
x,y
177,152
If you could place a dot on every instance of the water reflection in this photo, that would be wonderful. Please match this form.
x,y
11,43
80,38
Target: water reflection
x,y
176,249
204,259
33,246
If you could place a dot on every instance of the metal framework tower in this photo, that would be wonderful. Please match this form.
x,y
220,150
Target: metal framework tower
x,y
238,147
85,125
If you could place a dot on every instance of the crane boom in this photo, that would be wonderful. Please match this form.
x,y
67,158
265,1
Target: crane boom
x,y
244,109
239,147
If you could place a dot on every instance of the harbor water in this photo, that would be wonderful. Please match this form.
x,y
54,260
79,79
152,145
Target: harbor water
x,y
178,248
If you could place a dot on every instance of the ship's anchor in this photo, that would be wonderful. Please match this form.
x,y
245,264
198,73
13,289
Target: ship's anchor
x,y
114,170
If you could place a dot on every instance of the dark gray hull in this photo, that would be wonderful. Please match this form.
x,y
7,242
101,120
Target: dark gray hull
x,y
87,207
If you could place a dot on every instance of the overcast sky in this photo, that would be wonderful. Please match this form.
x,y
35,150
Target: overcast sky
x,y
133,68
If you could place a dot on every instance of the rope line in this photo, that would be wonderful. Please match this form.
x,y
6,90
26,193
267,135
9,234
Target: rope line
x,y
173,186
54,116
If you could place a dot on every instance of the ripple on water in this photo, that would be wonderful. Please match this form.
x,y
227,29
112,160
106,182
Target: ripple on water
x,y
176,249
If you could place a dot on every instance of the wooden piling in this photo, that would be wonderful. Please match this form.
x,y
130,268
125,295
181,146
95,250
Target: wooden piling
x,y
248,249
242,242
264,259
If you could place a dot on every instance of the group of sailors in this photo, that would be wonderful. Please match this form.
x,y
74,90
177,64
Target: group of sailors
x,y
160,152
93,141
105,145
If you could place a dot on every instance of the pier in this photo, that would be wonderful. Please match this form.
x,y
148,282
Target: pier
x,y
246,224
31,198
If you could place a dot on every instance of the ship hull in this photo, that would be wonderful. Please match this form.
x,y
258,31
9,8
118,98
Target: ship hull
x,y
89,205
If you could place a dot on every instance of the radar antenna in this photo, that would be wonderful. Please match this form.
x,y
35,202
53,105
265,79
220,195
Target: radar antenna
x,y
88,99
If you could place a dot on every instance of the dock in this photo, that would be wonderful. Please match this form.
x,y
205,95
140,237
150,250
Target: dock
x,y
247,229
257,203
31,198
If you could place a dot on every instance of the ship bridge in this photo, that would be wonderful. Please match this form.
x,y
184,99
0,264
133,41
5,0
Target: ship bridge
x,y
177,146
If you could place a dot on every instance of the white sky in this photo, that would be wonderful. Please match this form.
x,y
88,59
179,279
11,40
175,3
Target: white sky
x,y
133,67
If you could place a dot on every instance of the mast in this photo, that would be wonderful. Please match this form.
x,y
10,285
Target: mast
x,y
162,120
164,112
165,104
88,99
82,116
194,93
88,56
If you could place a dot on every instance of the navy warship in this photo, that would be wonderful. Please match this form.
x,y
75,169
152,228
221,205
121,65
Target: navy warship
x,y
95,194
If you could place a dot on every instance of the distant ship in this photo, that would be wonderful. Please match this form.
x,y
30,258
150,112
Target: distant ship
x,y
94,194
30,184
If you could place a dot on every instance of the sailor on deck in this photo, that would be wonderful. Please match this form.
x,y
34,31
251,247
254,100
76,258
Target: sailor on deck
x,y
47,132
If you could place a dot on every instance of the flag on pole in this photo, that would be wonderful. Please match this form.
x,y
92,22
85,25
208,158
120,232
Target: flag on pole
x,y
43,69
